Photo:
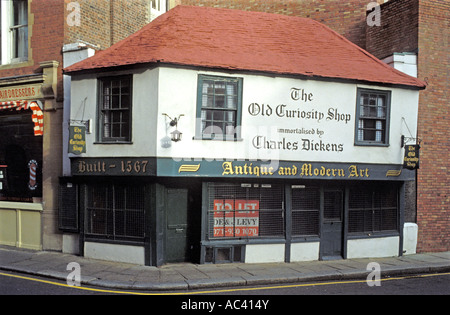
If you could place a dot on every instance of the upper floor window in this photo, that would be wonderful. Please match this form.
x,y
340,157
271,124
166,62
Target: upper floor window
x,y
372,124
157,7
219,107
13,31
115,109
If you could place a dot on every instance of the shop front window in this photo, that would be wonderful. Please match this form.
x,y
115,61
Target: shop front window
x,y
20,158
115,212
237,211
305,211
373,209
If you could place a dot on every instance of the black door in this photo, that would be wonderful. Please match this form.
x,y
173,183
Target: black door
x,y
331,234
176,249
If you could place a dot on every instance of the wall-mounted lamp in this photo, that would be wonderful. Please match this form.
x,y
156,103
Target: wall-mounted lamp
x,y
176,134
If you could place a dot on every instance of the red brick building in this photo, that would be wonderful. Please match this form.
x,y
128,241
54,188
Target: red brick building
x,y
406,26
424,29
433,209
348,18
33,35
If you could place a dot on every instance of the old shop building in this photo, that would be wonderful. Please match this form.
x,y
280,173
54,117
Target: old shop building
x,y
221,135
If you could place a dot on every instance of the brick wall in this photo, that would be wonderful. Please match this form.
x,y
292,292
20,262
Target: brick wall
x,y
105,22
433,209
397,17
46,36
348,18
129,17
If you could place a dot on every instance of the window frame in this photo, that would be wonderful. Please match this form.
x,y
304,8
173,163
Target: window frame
x,y
385,141
15,184
199,133
8,29
101,111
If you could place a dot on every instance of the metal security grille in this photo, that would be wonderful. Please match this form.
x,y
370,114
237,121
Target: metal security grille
x,y
373,209
333,202
68,207
115,212
245,211
305,211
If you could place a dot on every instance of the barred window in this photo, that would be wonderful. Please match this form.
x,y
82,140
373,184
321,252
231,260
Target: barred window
x,y
245,211
373,209
115,212
305,211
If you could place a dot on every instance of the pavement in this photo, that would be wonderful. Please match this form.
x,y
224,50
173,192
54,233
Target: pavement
x,y
189,276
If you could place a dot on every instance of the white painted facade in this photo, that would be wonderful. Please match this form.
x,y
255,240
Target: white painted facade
x,y
307,251
410,233
373,248
172,91
306,120
404,62
264,253
113,252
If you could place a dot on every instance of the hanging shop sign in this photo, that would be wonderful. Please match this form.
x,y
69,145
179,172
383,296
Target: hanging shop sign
x,y
411,159
77,139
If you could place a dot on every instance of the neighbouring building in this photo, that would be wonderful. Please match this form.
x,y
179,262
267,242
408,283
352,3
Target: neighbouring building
x,y
413,37
221,135
39,38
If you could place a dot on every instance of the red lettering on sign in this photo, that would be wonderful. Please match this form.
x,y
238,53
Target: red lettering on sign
x,y
236,218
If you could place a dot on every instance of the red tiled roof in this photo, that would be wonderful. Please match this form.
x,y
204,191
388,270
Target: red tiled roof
x,y
244,40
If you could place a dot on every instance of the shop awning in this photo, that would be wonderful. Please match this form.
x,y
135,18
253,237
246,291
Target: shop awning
x,y
37,116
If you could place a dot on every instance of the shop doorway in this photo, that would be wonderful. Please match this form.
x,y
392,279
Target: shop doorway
x,y
177,243
331,239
